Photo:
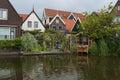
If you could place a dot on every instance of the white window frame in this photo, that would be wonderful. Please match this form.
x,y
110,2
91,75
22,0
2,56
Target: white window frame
x,y
35,24
2,14
29,24
12,32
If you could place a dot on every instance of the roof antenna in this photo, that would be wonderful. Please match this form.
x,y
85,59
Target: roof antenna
x,y
33,8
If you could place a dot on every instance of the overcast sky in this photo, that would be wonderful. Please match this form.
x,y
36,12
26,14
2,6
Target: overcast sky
x,y
25,6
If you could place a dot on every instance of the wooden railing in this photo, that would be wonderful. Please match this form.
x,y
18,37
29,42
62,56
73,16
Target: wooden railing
x,y
83,47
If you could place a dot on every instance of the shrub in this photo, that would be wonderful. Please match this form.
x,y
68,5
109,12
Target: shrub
x,y
13,44
39,48
29,43
17,44
99,48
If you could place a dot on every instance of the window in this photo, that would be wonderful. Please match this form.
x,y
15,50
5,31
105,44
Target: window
x,y
45,21
12,33
36,24
116,19
54,27
50,19
118,8
57,21
29,24
3,14
60,28
83,40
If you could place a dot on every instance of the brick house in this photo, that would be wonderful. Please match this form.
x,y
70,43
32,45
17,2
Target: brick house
x,y
61,20
10,21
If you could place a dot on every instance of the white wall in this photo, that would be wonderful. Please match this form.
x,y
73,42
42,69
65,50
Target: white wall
x,y
32,18
47,21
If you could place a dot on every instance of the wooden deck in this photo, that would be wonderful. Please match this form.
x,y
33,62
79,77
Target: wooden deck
x,y
35,53
45,53
7,53
83,48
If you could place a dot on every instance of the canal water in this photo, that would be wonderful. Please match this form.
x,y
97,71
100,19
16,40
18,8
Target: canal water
x,y
59,68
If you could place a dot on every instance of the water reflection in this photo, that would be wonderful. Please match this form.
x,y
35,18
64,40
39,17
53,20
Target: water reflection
x,y
59,68
10,68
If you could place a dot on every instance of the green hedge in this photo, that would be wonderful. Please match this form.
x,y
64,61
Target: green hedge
x,y
8,45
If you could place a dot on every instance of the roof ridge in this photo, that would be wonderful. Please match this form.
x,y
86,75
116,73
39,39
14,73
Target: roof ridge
x,y
63,11
22,14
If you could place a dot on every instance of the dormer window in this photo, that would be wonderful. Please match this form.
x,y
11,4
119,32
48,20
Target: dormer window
x,y
118,8
3,14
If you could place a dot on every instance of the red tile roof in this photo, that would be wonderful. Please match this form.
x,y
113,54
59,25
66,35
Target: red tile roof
x,y
98,13
63,14
23,16
77,15
69,24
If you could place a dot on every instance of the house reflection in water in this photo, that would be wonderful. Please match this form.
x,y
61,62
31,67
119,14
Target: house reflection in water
x,y
10,68
82,60
42,67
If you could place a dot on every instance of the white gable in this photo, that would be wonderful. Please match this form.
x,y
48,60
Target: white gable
x,y
55,18
33,18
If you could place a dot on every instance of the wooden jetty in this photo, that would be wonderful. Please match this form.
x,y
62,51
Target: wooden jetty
x,y
32,53
45,53
83,43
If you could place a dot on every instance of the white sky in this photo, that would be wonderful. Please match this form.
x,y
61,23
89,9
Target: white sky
x,y
25,6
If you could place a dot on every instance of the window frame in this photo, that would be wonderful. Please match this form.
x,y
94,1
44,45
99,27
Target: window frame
x,y
35,23
118,8
29,24
60,28
2,10
54,27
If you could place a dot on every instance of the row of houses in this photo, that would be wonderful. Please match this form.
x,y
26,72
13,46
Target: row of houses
x,y
12,24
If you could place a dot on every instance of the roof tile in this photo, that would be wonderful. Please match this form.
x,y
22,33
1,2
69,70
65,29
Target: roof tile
x,y
69,24
63,14
23,16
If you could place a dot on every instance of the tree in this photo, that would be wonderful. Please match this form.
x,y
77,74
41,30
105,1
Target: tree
x,y
103,32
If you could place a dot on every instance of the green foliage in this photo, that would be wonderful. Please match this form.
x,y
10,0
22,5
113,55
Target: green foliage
x,y
8,45
95,24
33,32
29,42
93,48
39,37
106,36
39,48
112,39
99,48
102,48
17,44
51,31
